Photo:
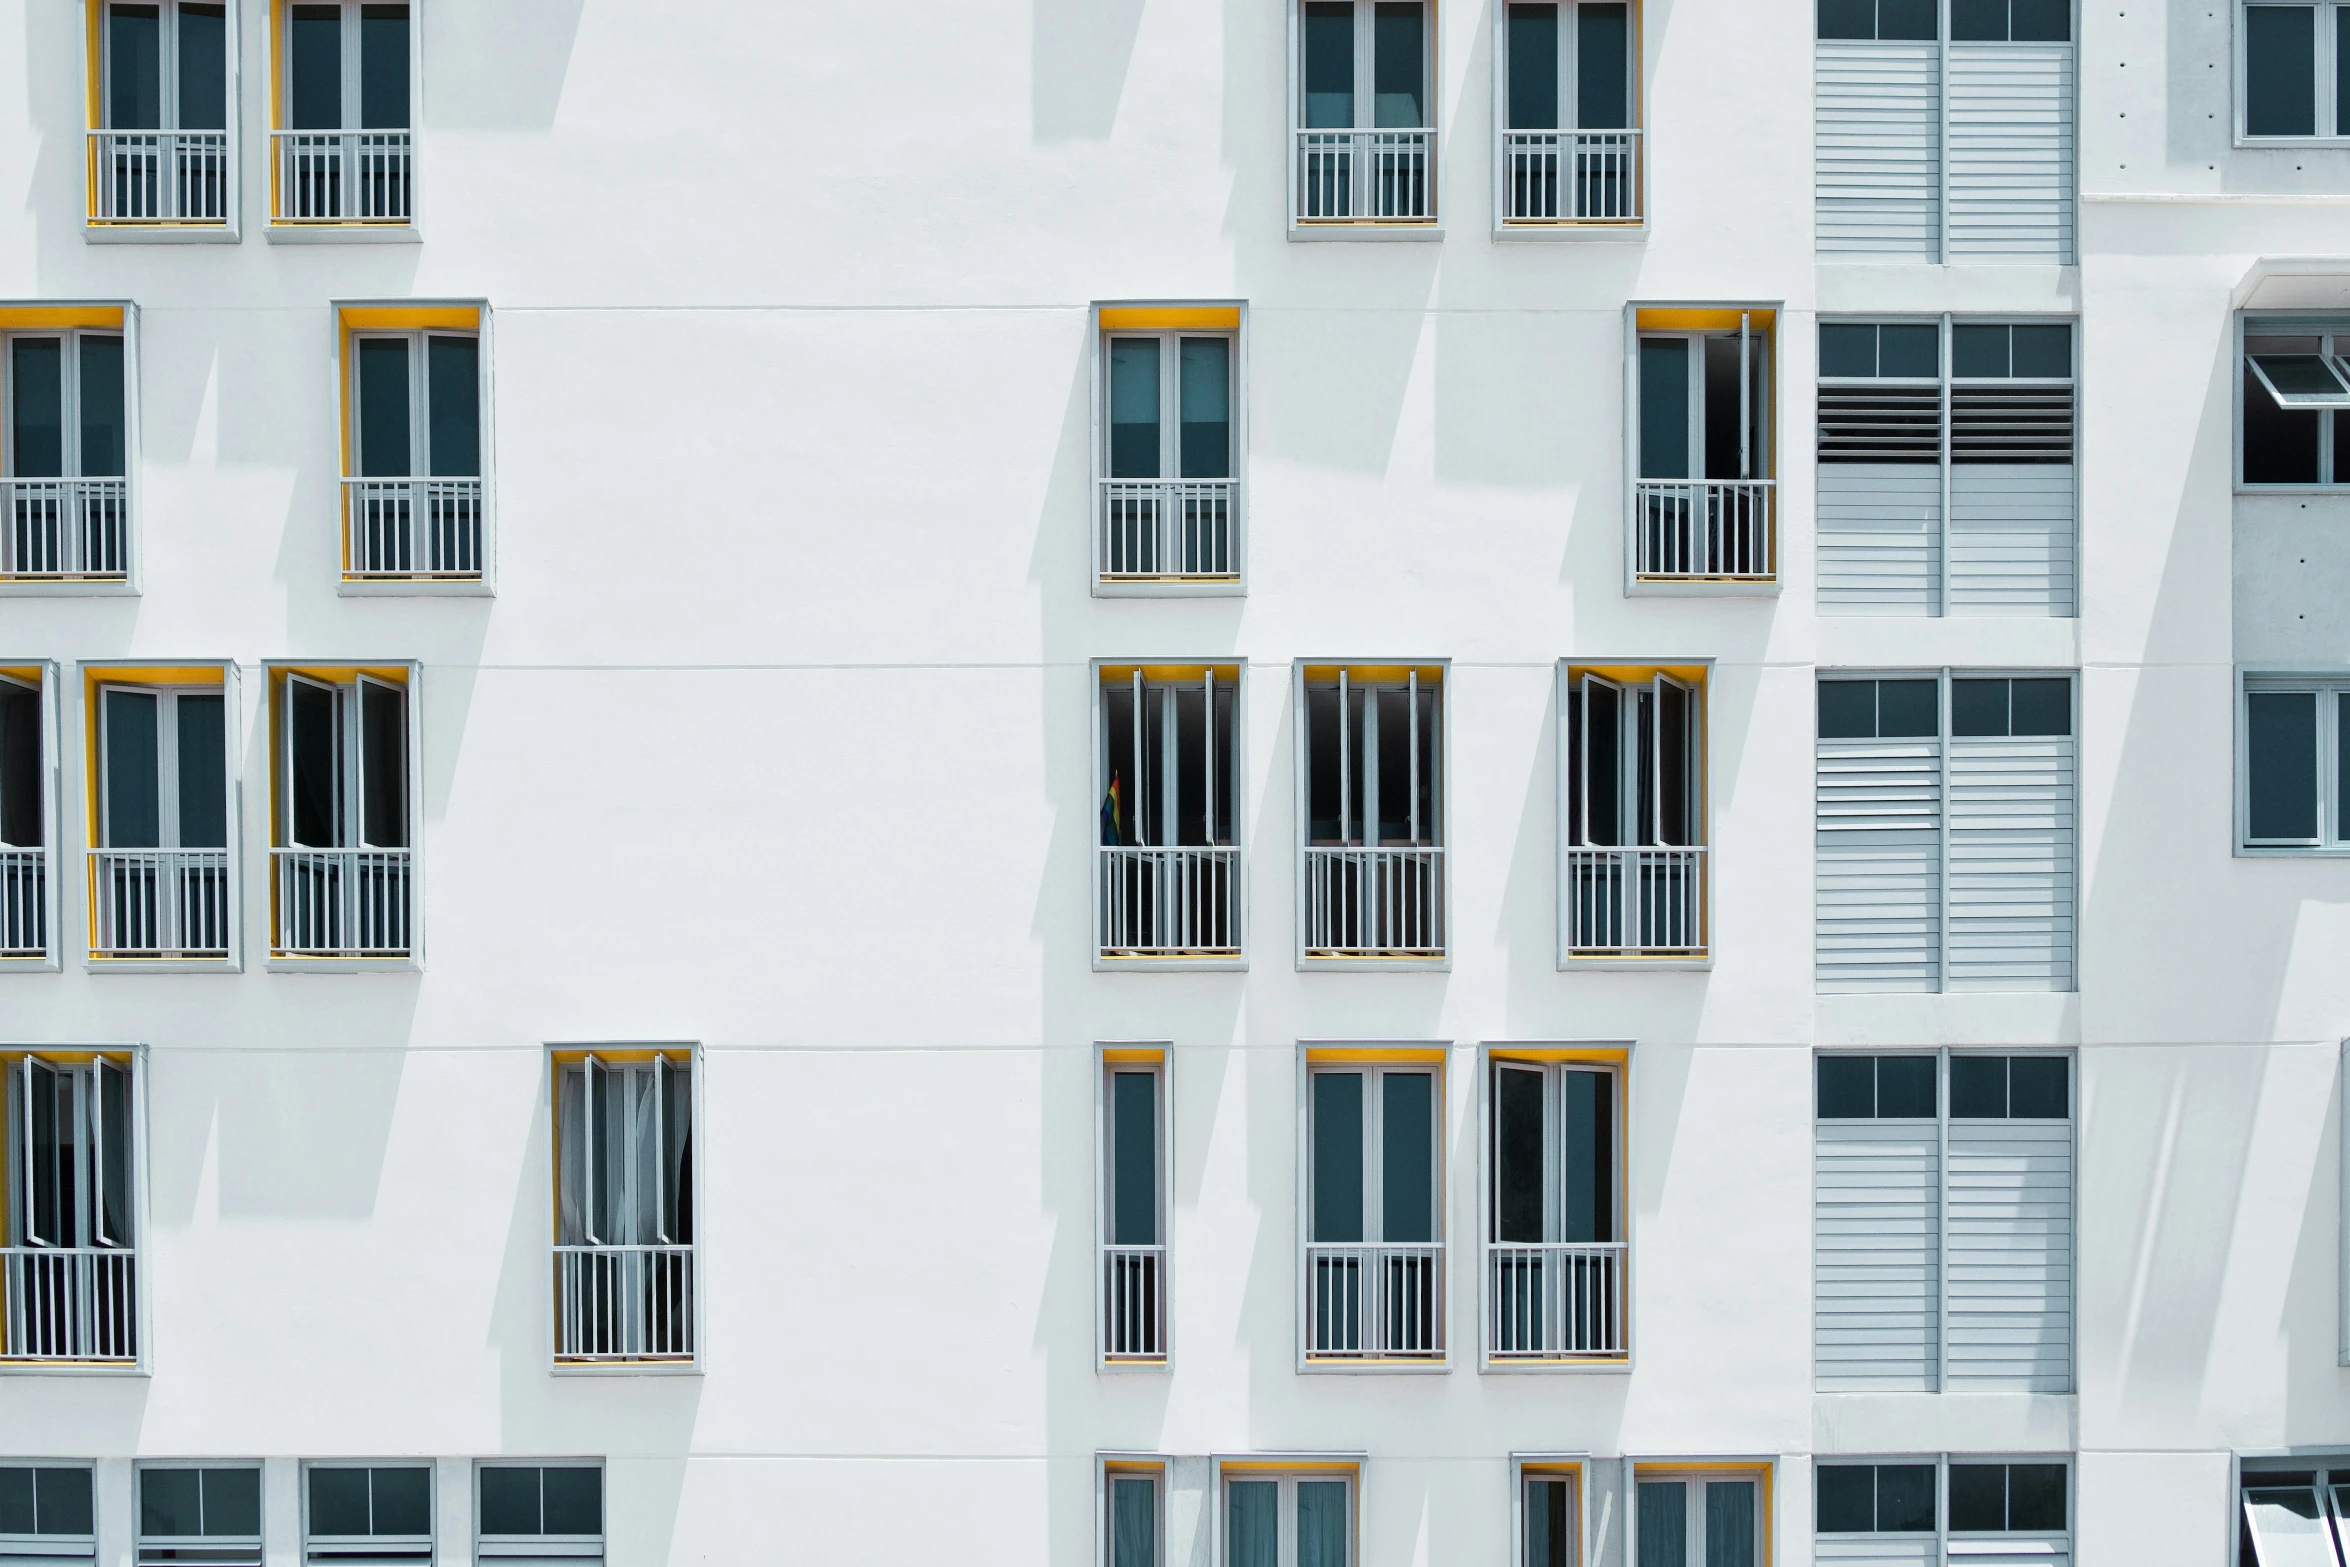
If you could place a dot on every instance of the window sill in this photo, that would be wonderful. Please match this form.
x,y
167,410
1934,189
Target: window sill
x,y
1131,1364
2284,492
68,587
2293,851
1204,963
41,965
1673,963
1317,1365
1309,963
1169,587
1622,231
626,1368
1371,229
1561,1365
283,963
415,587
95,964
73,1368
2244,143
343,234
1703,587
97,231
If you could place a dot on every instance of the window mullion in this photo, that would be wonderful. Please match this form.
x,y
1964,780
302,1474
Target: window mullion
x,y
1554,1153
1942,1219
81,1171
1170,405
1374,1164
1570,85
1942,748
353,33
1366,104
1946,417
167,758
1170,778
167,59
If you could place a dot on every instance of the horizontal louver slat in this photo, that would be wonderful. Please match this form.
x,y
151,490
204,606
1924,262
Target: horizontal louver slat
x,y
1880,538
1878,819
2011,151
2011,424
1878,155
2011,864
1880,423
2011,1255
1876,1246
2012,540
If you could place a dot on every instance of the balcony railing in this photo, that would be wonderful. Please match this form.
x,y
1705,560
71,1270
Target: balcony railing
x,y
402,528
159,903
1357,176
1637,902
160,176
1155,529
1375,1302
343,177
1134,1302
624,1302
1700,529
66,528
1556,1302
343,903
1570,176
24,903
1380,903
70,1304
1166,903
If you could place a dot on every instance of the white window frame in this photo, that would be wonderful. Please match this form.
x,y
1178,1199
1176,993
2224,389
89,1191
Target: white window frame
x,y
327,1550
1438,835
1170,441
228,689
1695,1473
2333,331
256,1544
418,340
128,582
1766,340
1942,1532
1432,64
2328,22
51,1546
1108,1468
279,100
1110,1059
152,231
1227,674
2329,689
1570,753
1373,1061
1569,94
277,694
535,1549
1575,1469
51,897
1553,1059
482,584
69,393
1287,1469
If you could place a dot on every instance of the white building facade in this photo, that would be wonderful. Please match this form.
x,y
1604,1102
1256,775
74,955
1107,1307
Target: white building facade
x,y
1321,783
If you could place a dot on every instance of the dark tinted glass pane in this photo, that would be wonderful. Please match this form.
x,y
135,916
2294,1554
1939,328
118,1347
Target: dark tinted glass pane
x,y
1978,1498
62,1497
455,412
1600,770
1847,1499
114,1174
232,1501
314,54
134,67
1663,1526
2040,707
1603,70
510,1501
2037,1088
403,1499
1321,1523
338,1501
1729,1523
383,66
1587,1158
1330,63
171,1502
383,780
383,408
2281,760
133,802
1408,1172
1338,1157
1134,1169
316,782
1847,349
2044,352
1979,351
1534,67
1978,1087
1206,395
1907,708
16,1501
2342,767
1723,459
1905,1498
2280,444
1848,1089
1909,349
1978,707
20,765
1664,408
2280,70
1905,19
1397,71
1848,18
203,773
1978,21
1134,1523
102,407
1134,408
1550,1539
1517,1154
2341,77
203,68
1905,1088
1252,1529
37,408
575,1500
2035,1496
2041,21
1848,709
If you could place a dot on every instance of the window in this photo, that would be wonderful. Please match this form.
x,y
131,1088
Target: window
x,y
1700,1519
341,146
1134,1205
162,874
371,1514
341,809
201,1512
1556,1275
1374,1178
1366,137
624,1251
73,1214
2295,79
1169,884
1304,1518
2296,401
1633,880
1167,457
1903,177
543,1514
65,456
2292,765
1896,1509
1947,494
161,147
46,1514
27,782
1133,1514
1550,1514
1945,833
1942,1231
1570,140
414,514
1703,498
2293,1514
1371,781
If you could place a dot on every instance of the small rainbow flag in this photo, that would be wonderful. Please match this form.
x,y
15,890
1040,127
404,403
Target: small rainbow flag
x,y
1112,821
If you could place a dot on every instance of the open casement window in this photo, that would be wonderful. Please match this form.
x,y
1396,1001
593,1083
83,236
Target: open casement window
x,y
624,1245
71,1284
2294,1514
1550,1513
162,875
1372,862
341,94
367,1515
345,856
162,140
199,1513
1702,438
1168,458
541,1515
1556,1254
1169,880
1133,1514
65,453
1633,878
1943,1220
1570,139
1366,136
2293,767
1134,1206
47,1515
1711,1517
24,817
1374,1256
2295,79
1304,1518
413,488
2296,403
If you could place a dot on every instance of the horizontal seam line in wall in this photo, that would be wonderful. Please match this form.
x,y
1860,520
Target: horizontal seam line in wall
x,y
1281,1046
1260,665
1088,1455
2217,198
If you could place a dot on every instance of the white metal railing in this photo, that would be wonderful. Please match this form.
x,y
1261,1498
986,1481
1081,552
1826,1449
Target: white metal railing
x,y
1548,1302
1570,176
624,1302
159,903
24,903
1134,1302
1706,528
1637,902
343,903
70,1303
1374,902
1170,902
1154,528
1383,1302
1356,174
343,177
66,528
160,176
412,527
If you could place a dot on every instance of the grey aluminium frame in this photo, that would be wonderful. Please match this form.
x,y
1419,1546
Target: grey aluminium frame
x,y
349,1545
346,414
1112,1465
1540,1465
1098,443
1224,1468
1098,752
119,232
1293,104
2331,780
51,844
1620,230
1701,775
1301,809
24,587
1104,1062
2322,45
1774,352
346,232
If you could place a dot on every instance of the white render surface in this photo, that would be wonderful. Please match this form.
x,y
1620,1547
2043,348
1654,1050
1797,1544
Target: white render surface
x,y
775,738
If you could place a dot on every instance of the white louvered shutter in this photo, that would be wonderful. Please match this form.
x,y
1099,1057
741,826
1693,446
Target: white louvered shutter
x,y
1878,848
1880,1550
2011,863
1878,161
2011,1255
2012,528
2011,152
1880,538
1876,1256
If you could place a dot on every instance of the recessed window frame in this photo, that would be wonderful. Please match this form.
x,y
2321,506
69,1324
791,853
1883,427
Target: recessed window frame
x,y
1169,322
1695,679
1608,1059
375,1548
1374,1062
2332,329
1528,1469
1696,1474
1940,1526
20,903
1408,676
53,1547
1430,227
278,227
2329,32
2331,809
167,679
220,1550
1128,1289
416,322
1632,223
1110,1469
1657,563
2325,1471
72,320
131,1061
542,1549
1223,758
99,113
406,675
1287,1471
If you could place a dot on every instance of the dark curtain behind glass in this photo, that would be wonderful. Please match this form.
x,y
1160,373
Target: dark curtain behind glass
x,y
1664,408
37,408
1338,1158
20,765
1407,1175
314,56
134,67
134,807
383,67
1330,64
2280,70
203,67
454,418
1134,1159
1603,68
203,771
103,442
1534,68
